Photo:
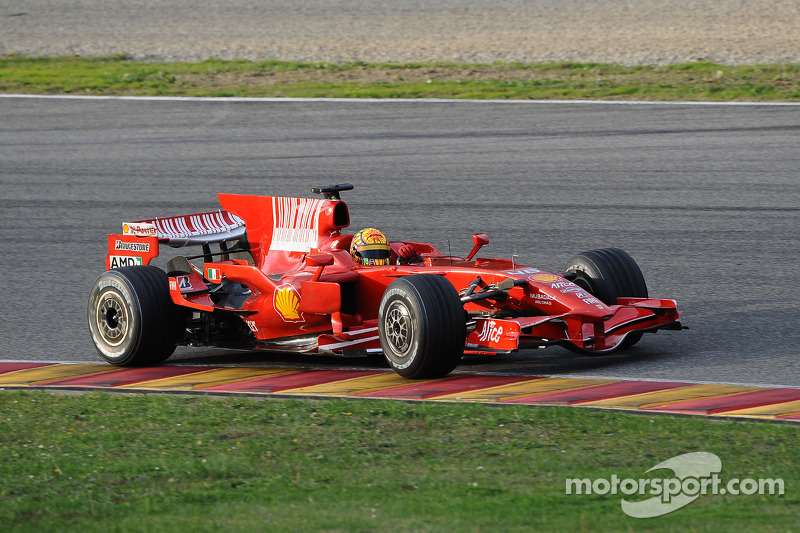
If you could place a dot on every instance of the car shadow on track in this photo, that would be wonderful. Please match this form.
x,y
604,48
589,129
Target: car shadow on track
x,y
525,362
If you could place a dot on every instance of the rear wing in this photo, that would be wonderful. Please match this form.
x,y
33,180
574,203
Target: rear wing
x,y
185,230
139,241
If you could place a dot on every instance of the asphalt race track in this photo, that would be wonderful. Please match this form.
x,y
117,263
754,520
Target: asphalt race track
x,y
705,198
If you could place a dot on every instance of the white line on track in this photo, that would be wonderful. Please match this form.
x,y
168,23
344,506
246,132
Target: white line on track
x,y
384,100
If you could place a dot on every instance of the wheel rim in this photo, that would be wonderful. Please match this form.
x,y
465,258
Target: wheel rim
x,y
112,319
399,328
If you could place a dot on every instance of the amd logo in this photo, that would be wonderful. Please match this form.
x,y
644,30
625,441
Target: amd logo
x,y
123,261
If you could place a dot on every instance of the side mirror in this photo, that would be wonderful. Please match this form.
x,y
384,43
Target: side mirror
x,y
320,261
506,284
479,240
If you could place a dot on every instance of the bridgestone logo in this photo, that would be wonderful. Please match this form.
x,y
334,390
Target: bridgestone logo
x,y
132,246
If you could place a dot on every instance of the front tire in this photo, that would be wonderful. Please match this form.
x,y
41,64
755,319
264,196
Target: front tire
x,y
422,326
608,274
132,319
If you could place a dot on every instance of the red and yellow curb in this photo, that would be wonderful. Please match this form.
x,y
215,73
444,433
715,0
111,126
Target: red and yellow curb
x,y
777,403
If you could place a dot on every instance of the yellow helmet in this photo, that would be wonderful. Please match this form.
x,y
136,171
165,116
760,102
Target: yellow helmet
x,y
370,248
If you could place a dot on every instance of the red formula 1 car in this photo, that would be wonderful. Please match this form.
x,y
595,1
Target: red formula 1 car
x,y
285,278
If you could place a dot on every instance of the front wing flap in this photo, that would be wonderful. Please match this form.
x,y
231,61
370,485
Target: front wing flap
x,y
583,332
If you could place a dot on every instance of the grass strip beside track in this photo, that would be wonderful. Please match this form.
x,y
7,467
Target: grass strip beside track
x,y
119,462
119,76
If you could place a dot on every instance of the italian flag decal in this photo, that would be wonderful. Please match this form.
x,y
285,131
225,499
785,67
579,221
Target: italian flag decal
x,y
213,274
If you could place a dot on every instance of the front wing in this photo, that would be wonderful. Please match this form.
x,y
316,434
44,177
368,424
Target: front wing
x,y
586,333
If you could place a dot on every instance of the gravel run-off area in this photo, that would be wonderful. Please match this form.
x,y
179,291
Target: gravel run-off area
x,y
628,32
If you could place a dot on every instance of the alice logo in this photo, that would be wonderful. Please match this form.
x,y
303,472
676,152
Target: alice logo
x,y
287,302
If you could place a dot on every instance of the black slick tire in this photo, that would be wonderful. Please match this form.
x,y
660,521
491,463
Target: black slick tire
x,y
609,273
132,319
422,326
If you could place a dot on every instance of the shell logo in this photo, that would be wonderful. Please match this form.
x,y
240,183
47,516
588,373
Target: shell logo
x,y
126,229
544,277
287,302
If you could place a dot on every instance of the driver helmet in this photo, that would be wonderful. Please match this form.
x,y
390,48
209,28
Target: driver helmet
x,y
370,248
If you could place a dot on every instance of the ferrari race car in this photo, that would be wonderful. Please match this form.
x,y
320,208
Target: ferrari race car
x,y
283,277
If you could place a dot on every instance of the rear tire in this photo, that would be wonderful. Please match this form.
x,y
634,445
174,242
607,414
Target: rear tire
x,y
422,326
608,274
132,319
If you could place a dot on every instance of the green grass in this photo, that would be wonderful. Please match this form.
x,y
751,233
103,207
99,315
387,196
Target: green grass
x,y
119,76
113,462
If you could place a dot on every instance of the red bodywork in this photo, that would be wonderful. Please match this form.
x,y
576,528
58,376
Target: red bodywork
x,y
303,292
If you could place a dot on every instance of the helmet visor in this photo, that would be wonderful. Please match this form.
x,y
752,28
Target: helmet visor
x,y
376,253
